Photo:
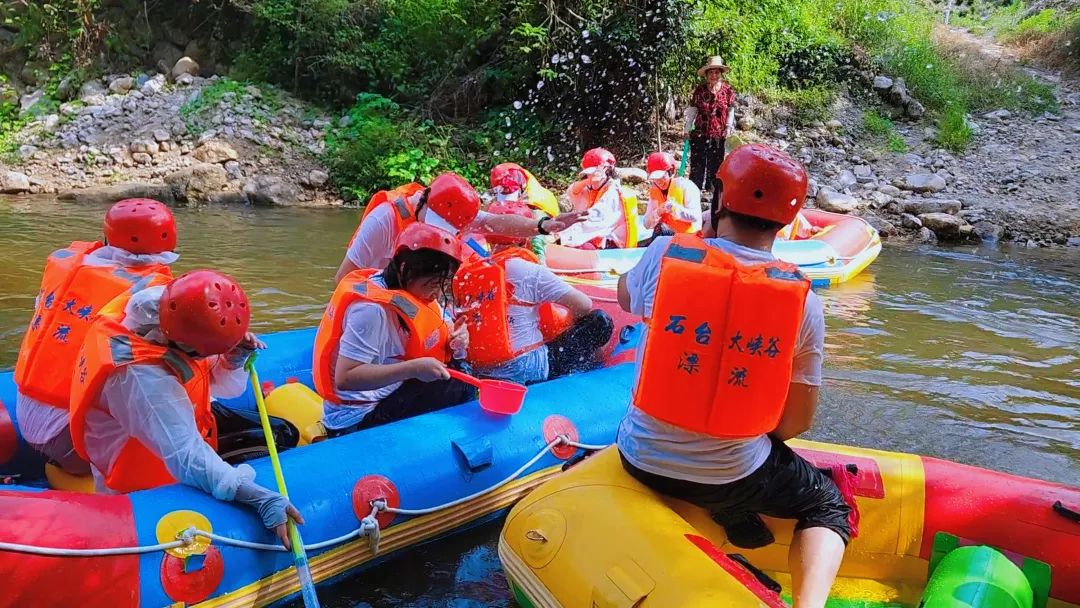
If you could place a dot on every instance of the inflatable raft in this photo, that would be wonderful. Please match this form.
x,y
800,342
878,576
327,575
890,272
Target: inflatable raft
x,y
842,248
364,495
933,534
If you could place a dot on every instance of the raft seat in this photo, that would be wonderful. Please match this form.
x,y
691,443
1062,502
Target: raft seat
x,y
59,479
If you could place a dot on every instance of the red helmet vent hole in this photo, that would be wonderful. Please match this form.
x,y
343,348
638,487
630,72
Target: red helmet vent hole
x,y
212,304
228,304
172,305
134,239
758,194
223,322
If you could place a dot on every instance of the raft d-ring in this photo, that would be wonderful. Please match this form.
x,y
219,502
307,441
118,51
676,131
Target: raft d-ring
x,y
556,426
183,583
173,526
536,536
371,488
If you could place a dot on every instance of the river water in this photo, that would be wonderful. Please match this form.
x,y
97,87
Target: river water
x,y
963,353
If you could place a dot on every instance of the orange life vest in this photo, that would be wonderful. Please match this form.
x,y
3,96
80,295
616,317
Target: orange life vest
x,y
404,211
482,291
428,333
583,198
676,196
721,341
70,297
110,346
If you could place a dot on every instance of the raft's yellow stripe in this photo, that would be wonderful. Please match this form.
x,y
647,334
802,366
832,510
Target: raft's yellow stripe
x,y
521,575
352,554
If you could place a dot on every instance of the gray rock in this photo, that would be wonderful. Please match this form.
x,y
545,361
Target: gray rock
x,y
988,231
317,178
631,175
110,194
927,236
142,158
780,131
198,183
746,123
185,80
998,114
879,199
834,124
13,182
122,85
863,171
184,65
914,109
919,206
837,202
1073,241
161,135
944,225
213,151
898,94
846,179
26,151
889,190
91,90
165,55
28,101
142,146
344,121
923,182
884,227
153,86
65,90
270,190
882,83
910,221
232,168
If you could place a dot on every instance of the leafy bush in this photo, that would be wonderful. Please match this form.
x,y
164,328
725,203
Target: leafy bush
x,y
882,127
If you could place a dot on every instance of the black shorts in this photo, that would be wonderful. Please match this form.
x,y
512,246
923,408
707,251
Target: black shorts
x,y
786,486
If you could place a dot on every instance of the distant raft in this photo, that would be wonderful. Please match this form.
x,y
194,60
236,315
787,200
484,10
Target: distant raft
x,y
933,534
842,248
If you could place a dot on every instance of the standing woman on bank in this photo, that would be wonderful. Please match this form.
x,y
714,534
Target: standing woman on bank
x,y
709,119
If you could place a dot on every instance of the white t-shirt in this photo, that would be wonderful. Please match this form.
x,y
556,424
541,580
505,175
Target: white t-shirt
x,y
374,243
663,449
535,284
40,422
369,335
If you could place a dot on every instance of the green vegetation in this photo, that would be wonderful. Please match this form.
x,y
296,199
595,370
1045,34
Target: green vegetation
x,y
882,127
198,111
1049,36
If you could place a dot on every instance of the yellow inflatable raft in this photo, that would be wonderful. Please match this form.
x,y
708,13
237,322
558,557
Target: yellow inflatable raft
x,y
596,538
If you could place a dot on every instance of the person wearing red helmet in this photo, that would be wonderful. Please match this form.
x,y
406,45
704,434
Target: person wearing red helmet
x,y
674,202
730,370
449,203
612,214
384,343
512,182
140,236
505,299
142,387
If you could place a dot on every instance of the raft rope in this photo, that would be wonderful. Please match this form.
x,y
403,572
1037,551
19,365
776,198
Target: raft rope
x,y
369,525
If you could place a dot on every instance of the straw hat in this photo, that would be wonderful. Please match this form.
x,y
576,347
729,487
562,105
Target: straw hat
x,y
714,63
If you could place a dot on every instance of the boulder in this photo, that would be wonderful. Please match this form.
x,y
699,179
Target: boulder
x,y
1001,114
944,225
919,206
878,199
153,85
837,202
898,93
232,168
846,179
122,85
13,182
988,231
862,172
889,190
142,146
28,101
214,151
198,183
317,178
270,190
185,80
882,83
631,175
184,65
927,236
142,158
914,109
910,221
923,182
165,55
92,92
834,124
884,227
161,135
746,123
103,195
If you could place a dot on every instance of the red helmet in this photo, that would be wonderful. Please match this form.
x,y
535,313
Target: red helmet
x,y
140,225
597,157
762,182
450,196
418,236
509,176
205,310
507,208
660,161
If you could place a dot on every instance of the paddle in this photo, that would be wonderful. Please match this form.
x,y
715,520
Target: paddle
x,y
496,396
303,571
685,155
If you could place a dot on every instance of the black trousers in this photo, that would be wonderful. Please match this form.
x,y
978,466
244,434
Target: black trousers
x,y
410,399
706,154
576,349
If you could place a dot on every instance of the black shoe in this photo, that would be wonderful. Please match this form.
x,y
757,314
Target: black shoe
x,y
745,530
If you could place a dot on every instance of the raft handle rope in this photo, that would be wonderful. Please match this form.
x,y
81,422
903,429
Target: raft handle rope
x,y
369,526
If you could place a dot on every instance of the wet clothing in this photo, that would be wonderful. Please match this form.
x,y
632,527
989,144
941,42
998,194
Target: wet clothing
x,y
784,486
411,398
610,216
664,449
578,348
373,244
